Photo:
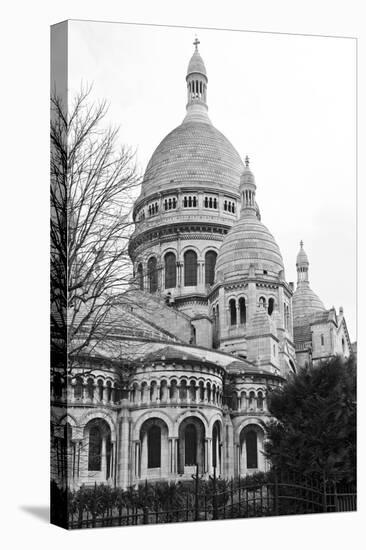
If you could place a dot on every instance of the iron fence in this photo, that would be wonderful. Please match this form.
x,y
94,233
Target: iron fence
x,y
202,500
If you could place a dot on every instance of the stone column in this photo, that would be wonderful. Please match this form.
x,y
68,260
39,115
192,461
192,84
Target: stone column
x,y
173,463
123,450
137,459
227,317
252,302
209,456
104,458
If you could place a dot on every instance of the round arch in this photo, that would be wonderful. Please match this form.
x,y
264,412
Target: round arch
x,y
100,414
247,422
145,416
216,418
185,414
191,444
154,447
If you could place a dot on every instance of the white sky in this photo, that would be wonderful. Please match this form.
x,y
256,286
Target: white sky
x,y
287,101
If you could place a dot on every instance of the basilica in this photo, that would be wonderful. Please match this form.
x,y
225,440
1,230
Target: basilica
x,y
210,324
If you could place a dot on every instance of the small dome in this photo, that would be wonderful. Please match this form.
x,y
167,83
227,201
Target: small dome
x,y
196,64
302,259
247,176
247,243
304,304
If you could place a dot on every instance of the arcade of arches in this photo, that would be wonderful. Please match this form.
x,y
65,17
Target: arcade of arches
x,y
170,267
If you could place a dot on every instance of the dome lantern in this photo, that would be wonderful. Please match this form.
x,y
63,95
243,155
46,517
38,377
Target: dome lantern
x,y
302,266
196,86
247,190
304,302
248,247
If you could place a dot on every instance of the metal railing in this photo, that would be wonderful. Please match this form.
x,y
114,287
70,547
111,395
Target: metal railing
x,y
202,500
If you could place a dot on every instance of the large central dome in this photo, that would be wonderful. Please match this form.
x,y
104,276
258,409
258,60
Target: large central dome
x,y
195,154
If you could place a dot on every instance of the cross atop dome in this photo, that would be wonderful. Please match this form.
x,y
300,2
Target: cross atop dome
x,y
196,42
247,161
301,243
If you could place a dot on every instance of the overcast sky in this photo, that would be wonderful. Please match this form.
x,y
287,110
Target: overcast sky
x,y
286,101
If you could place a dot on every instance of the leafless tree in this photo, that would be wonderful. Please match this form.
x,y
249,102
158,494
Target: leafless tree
x,y
93,184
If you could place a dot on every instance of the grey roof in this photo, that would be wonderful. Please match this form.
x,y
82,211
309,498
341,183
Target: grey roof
x,y
305,303
195,154
196,64
302,330
248,242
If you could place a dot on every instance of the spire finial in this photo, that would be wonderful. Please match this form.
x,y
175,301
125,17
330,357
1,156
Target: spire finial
x,y
301,243
196,42
247,161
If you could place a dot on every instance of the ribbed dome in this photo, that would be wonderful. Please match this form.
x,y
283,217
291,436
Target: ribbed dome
x,y
195,154
304,303
196,64
248,242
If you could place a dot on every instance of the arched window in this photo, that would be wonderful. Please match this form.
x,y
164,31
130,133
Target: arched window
x,y
260,401
242,311
100,389
140,277
190,268
251,448
154,447
201,391
192,391
232,306
190,445
109,390
95,449
170,270
210,262
208,390
116,393
78,390
292,366
322,339
234,402
262,301
90,388
251,400
173,392
183,391
152,273
270,306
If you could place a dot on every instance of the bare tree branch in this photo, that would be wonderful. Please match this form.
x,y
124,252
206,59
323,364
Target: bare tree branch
x,y
93,185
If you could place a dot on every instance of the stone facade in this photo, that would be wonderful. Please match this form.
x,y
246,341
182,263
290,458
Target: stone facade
x,y
210,327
